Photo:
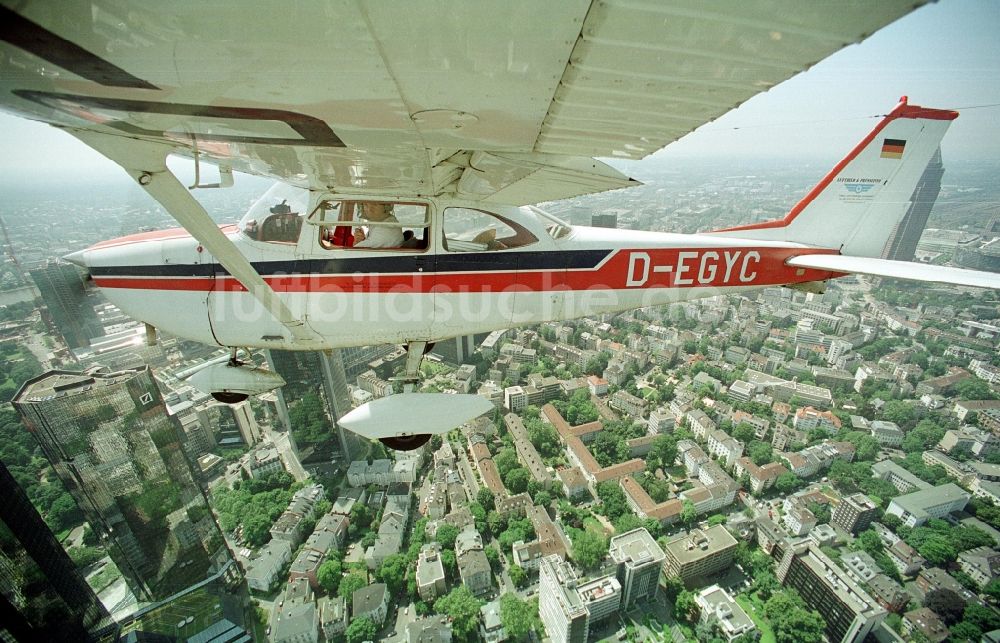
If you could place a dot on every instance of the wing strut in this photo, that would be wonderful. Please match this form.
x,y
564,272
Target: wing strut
x,y
146,163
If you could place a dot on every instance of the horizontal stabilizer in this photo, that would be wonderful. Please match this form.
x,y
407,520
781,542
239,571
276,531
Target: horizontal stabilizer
x,y
414,414
898,269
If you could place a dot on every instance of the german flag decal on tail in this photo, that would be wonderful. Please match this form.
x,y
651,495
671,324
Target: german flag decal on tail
x,y
892,148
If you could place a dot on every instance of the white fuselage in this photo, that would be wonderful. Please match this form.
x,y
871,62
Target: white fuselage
x,y
355,296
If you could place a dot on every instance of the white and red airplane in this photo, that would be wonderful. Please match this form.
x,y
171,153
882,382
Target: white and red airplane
x,y
410,139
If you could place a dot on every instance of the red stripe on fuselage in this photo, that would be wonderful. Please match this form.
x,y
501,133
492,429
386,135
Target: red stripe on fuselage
x,y
625,270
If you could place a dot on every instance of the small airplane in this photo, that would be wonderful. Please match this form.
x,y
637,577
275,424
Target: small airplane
x,y
409,150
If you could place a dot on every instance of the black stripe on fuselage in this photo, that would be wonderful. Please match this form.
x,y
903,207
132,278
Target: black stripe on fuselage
x,y
458,262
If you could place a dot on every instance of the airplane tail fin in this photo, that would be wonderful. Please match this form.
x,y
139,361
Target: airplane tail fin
x,y
858,207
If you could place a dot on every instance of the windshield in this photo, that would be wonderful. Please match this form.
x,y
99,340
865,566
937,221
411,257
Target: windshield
x,y
276,217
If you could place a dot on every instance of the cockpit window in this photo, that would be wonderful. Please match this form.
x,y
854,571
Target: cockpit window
x,y
468,230
277,217
374,225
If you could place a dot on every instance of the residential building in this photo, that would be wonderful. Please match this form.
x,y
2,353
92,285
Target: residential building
x,y
926,623
263,571
515,398
916,508
381,472
639,560
573,481
724,447
473,566
597,385
661,420
888,593
699,423
295,618
371,601
717,607
960,471
888,434
897,476
526,451
333,616
429,629
761,477
798,519
491,627
982,564
628,404
808,418
932,578
430,573
741,391
905,558
854,513
699,554
849,613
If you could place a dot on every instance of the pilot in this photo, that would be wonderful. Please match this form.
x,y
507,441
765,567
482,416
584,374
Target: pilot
x,y
379,236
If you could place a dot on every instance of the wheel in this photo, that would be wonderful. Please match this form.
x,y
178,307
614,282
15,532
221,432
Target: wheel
x,y
229,398
406,442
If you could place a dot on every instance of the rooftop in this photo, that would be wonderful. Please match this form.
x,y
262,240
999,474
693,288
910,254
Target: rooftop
x,y
699,543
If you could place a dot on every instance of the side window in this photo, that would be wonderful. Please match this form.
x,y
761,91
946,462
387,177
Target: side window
x,y
375,225
468,230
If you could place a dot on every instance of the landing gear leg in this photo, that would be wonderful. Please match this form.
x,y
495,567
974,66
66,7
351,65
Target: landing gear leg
x,y
415,352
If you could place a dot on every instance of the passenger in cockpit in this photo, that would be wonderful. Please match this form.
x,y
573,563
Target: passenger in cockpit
x,y
379,236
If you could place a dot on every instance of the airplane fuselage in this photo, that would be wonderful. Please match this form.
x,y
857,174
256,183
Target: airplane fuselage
x,y
355,296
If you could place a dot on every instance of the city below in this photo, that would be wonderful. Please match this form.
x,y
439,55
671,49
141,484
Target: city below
x,y
776,466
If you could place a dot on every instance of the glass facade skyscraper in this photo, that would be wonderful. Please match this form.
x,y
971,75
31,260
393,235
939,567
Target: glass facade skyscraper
x,y
43,597
110,440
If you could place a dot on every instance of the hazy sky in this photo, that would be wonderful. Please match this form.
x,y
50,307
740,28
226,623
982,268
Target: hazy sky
x,y
943,55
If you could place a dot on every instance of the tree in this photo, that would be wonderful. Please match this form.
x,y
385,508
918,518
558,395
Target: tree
x,y
664,450
684,606
329,575
446,535
760,452
946,603
792,621
673,586
787,482
486,499
505,461
518,576
350,584
589,549
743,432
361,629
392,572
463,608
450,562
984,618
516,480
688,513
518,617
965,631
992,590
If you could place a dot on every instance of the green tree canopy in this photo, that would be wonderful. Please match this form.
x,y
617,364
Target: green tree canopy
x,y
463,607
519,617
361,629
589,548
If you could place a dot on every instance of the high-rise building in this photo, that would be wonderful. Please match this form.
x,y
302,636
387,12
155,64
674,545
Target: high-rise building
x,y
640,561
70,313
699,553
307,372
569,606
849,612
118,453
43,597
855,513
559,606
902,243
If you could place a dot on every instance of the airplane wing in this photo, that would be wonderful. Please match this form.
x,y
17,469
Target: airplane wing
x,y
499,102
899,269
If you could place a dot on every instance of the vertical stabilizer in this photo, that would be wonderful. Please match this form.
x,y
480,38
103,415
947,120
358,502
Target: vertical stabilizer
x,y
861,206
